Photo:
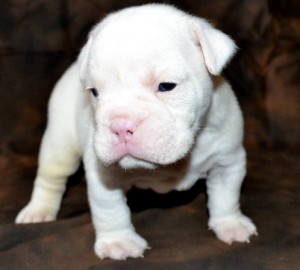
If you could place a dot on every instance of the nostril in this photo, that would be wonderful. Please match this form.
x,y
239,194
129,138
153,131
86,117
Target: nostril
x,y
125,133
123,128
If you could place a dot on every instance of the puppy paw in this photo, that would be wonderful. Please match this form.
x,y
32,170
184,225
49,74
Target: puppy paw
x,y
237,228
33,213
120,246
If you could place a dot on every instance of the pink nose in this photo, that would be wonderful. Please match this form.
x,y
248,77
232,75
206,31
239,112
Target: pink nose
x,y
123,128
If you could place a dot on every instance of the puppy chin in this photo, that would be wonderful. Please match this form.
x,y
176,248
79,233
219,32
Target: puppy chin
x,y
130,163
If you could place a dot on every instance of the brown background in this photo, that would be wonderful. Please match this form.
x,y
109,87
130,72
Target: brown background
x,y
39,39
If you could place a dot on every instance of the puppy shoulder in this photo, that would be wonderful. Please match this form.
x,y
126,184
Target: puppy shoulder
x,y
225,120
64,99
67,86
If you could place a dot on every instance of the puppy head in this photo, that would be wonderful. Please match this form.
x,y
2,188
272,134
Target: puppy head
x,y
148,71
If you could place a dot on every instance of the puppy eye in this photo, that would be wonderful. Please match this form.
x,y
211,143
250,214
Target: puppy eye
x,y
94,91
166,86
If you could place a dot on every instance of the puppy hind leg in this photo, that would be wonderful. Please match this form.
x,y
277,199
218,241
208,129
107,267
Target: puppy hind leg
x,y
58,159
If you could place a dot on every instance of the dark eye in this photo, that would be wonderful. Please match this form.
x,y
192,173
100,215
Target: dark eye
x,y
166,86
94,92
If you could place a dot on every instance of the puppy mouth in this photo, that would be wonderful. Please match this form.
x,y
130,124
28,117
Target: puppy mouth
x,y
144,148
129,162
126,155
130,156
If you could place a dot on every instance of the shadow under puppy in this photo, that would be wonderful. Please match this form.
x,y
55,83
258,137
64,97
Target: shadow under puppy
x,y
155,114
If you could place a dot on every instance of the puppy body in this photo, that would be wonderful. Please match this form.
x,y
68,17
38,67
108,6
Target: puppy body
x,y
156,114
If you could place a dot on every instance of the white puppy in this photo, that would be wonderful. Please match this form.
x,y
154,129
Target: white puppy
x,y
144,106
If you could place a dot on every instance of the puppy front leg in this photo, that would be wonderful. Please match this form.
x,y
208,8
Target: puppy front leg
x,y
57,160
223,189
115,235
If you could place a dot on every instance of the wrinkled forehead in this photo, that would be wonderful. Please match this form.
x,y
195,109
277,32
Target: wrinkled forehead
x,y
139,40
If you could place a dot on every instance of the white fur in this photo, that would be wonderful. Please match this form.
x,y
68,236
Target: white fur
x,y
134,135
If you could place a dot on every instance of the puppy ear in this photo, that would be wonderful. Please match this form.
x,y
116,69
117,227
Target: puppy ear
x,y
83,58
216,46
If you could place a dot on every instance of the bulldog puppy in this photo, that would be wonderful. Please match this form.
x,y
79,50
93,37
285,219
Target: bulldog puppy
x,y
144,106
